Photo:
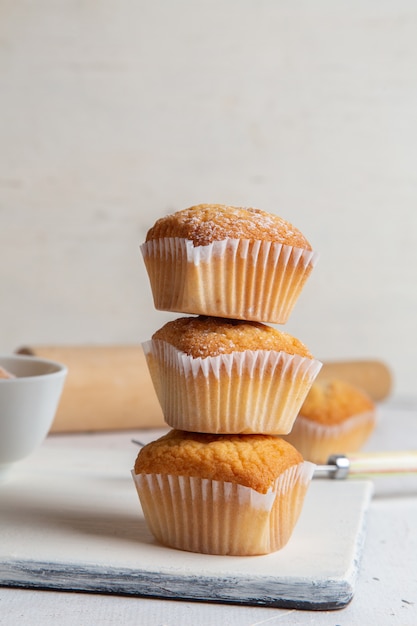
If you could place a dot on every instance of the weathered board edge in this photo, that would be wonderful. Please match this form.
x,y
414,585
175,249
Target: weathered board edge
x,y
272,592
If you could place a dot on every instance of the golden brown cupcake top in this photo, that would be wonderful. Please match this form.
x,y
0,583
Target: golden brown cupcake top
x,y
254,461
205,223
205,336
334,401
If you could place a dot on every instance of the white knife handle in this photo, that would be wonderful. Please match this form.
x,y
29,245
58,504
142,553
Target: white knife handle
x,y
340,466
402,462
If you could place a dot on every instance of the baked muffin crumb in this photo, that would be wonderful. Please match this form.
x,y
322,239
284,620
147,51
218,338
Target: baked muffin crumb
x,y
334,401
205,336
254,461
204,223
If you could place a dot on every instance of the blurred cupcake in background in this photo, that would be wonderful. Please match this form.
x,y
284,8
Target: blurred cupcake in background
x,y
335,418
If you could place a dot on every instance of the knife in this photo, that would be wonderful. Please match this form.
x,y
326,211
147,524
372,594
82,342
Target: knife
x,y
340,466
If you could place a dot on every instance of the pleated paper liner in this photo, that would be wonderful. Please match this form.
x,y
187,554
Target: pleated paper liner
x,y
213,517
317,442
255,391
233,278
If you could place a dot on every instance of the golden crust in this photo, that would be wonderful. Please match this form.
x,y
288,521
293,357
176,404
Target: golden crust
x,y
334,401
205,223
254,461
205,336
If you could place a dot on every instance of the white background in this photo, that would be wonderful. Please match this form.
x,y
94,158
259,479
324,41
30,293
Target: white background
x,y
116,112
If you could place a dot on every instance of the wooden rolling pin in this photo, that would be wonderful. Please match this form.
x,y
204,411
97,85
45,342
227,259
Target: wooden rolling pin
x,y
109,387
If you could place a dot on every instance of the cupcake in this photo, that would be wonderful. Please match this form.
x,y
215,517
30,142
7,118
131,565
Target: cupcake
x,y
224,261
335,418
218,375
226,494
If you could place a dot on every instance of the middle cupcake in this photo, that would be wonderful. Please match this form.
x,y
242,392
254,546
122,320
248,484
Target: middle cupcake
x,y
215,375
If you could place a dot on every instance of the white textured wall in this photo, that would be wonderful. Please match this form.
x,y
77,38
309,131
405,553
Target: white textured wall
x,y
113,113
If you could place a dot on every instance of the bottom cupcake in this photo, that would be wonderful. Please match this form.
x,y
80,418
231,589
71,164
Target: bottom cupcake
x,y
221,494
335,418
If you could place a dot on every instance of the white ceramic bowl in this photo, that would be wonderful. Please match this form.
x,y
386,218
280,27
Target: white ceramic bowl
x,y
28,404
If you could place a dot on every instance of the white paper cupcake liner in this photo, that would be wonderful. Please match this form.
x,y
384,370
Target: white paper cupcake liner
x,y
255,391
234,278
213,517
317,442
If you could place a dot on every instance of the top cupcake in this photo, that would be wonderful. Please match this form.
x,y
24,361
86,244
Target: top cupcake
x,y
225,261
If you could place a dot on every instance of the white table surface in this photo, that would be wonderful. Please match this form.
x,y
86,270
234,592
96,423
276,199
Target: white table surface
x,y
386,590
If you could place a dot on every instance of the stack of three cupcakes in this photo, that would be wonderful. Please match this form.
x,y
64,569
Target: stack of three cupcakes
x,y
223,481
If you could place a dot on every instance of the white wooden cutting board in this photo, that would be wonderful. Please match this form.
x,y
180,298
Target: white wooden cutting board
x,y
70,519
